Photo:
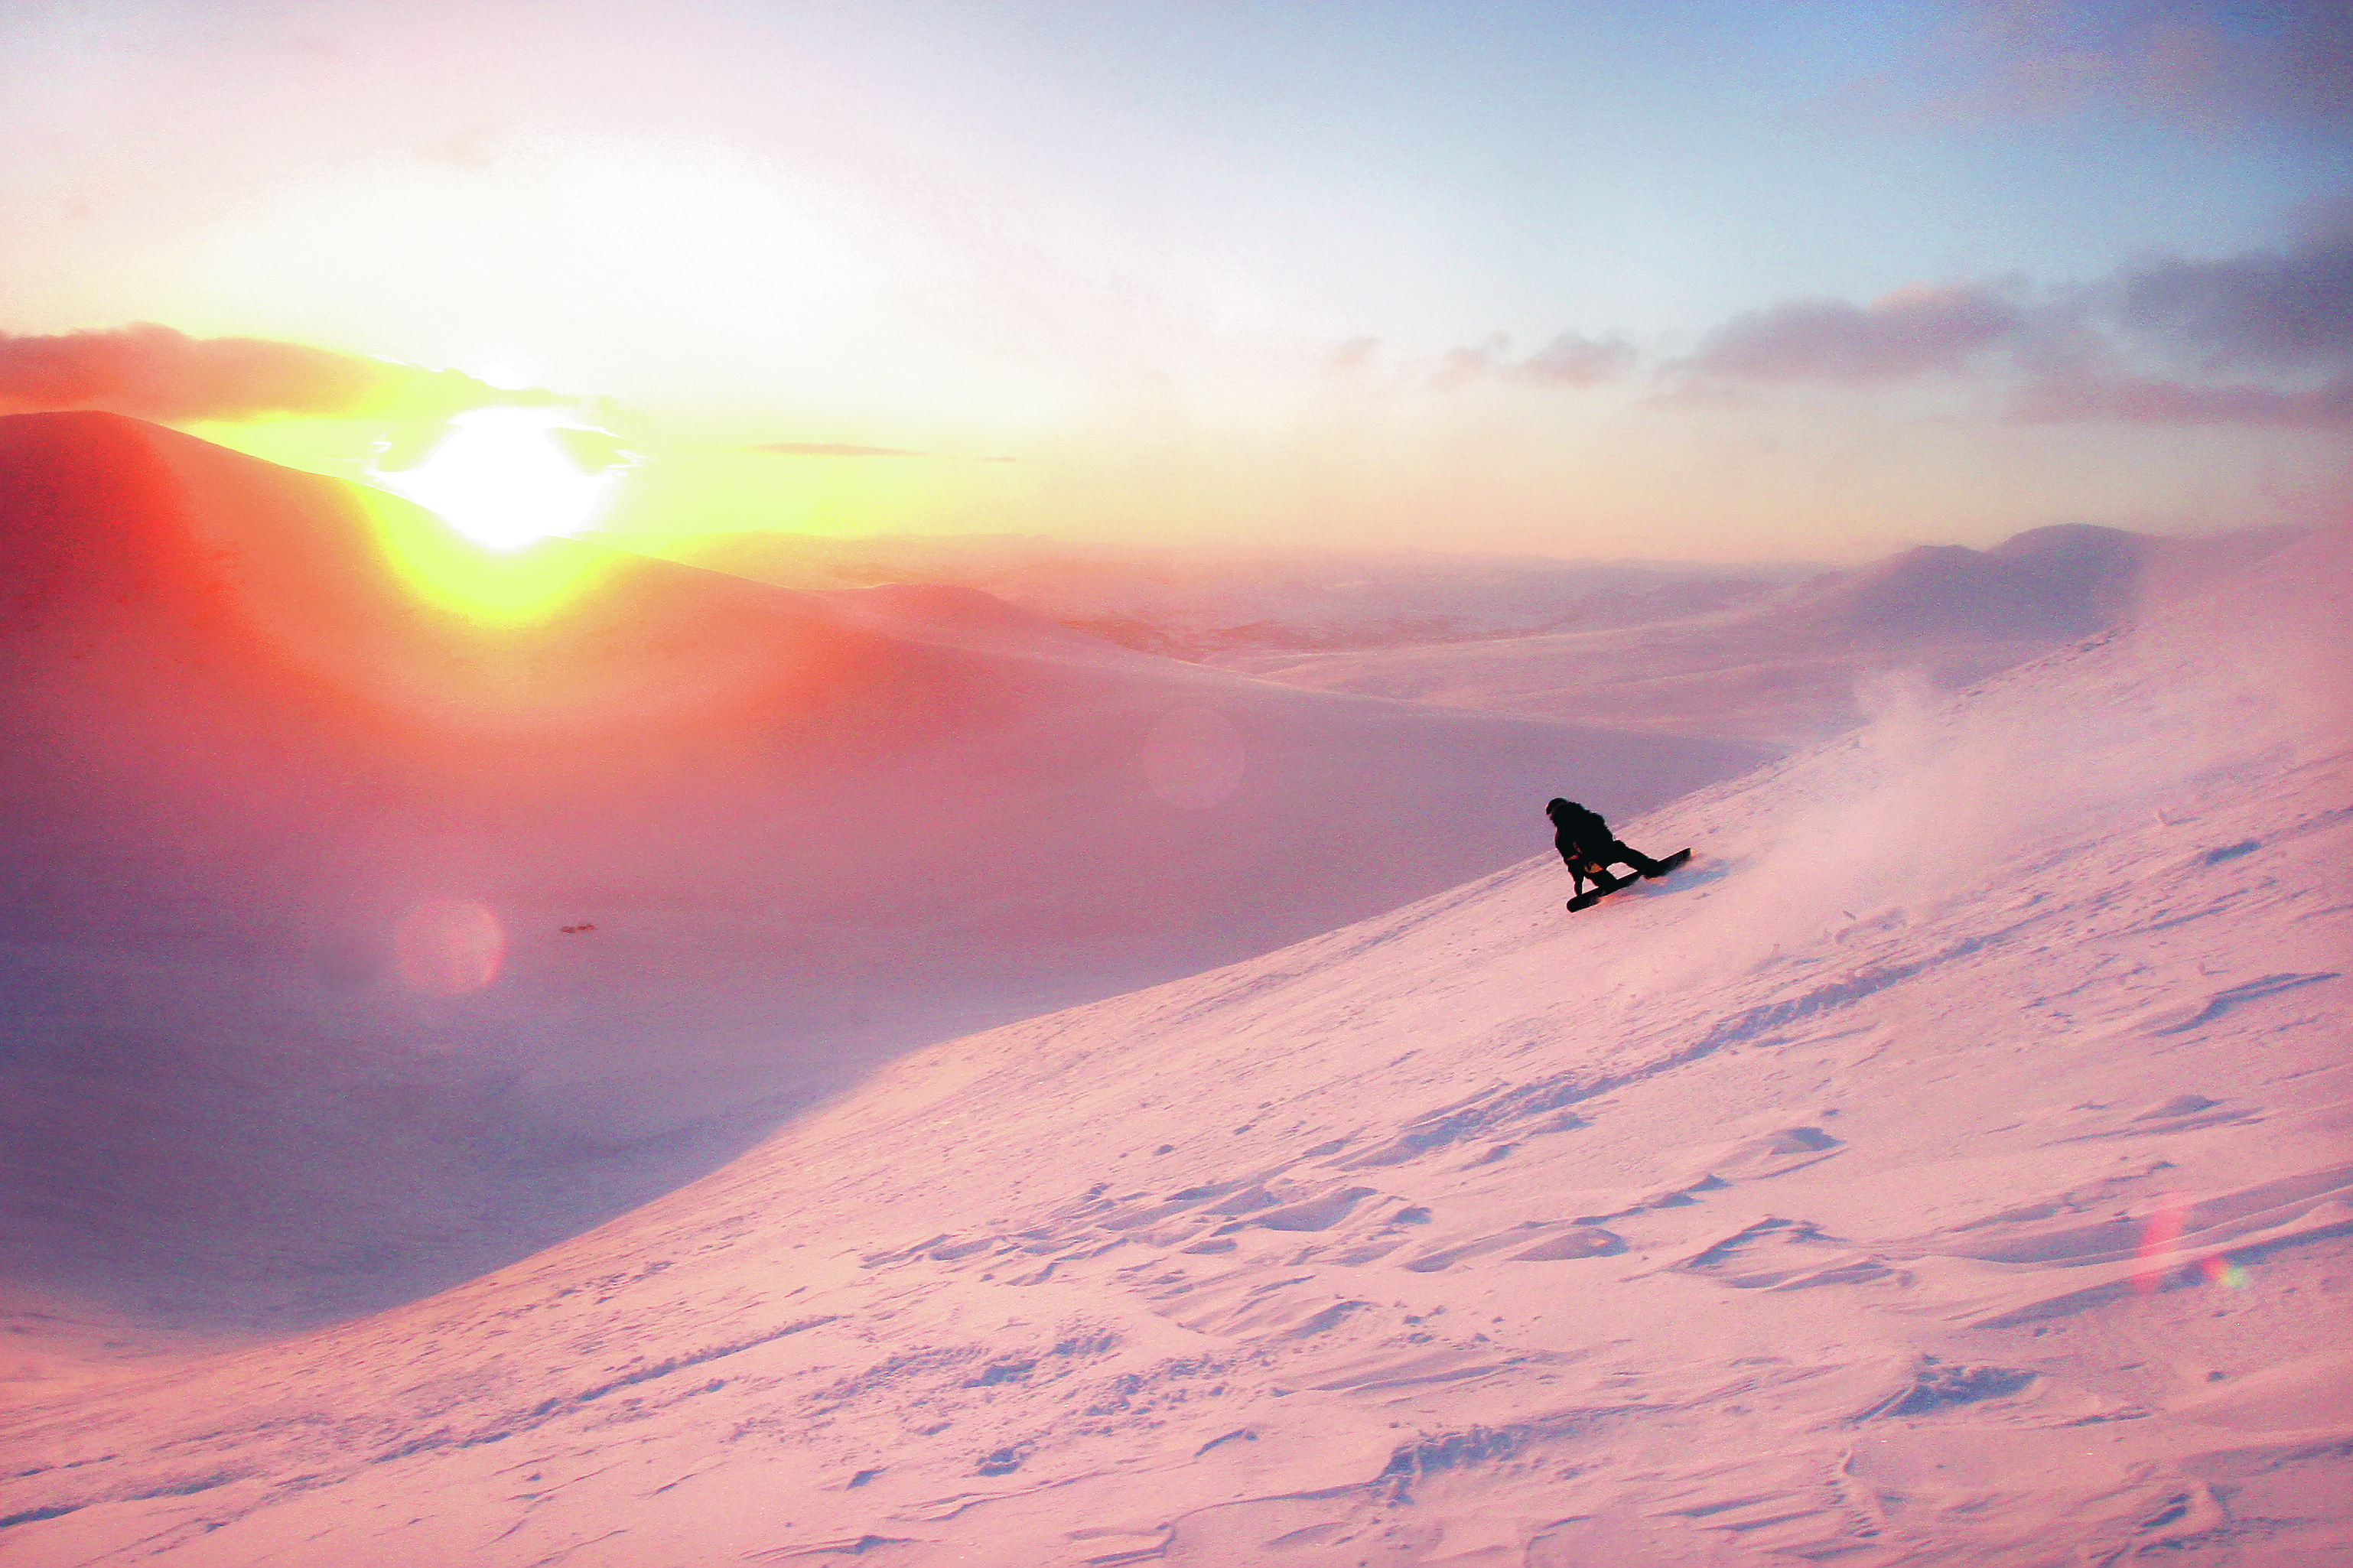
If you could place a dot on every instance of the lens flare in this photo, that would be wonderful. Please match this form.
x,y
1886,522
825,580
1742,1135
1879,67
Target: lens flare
x,y
2221,1270
504,476
2161,1240
448,947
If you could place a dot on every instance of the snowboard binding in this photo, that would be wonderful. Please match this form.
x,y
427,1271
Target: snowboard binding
x,y
1604,884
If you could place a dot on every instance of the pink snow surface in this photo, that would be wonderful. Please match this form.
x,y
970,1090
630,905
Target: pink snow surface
x,y
1950,1165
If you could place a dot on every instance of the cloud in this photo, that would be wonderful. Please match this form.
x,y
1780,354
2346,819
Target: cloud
x,y
2212,64
155,372
1571,359
2265,311
2260,338
1911,332
1574,360
1464,367
2069,399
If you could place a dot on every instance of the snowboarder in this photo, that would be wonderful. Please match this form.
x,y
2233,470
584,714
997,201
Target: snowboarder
x,y
1589,847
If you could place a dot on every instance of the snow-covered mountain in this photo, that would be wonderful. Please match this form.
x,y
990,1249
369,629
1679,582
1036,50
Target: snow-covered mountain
x,y
1808,662
1950,1166
1203,604
271,788
1777,656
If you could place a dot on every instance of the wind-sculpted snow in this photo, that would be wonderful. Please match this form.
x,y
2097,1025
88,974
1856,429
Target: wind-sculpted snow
x,y
1949,1166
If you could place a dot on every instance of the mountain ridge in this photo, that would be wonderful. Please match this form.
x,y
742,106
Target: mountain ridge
x,y
1817,658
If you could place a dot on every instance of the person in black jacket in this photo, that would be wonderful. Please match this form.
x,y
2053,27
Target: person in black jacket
x,y
1589,847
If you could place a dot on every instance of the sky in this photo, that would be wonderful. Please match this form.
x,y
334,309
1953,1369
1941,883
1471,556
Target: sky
x,y
1685,278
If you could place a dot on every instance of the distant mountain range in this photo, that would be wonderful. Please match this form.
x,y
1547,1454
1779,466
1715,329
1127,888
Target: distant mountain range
x,y
1203,603
1770,655
1786,668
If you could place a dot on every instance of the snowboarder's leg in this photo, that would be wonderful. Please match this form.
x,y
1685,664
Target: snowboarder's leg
x,y
1643,864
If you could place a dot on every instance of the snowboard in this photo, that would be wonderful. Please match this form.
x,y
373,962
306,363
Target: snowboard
x,y
1609,885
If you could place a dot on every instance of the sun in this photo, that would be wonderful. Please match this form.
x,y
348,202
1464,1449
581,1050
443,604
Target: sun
x,y
488,497
504,476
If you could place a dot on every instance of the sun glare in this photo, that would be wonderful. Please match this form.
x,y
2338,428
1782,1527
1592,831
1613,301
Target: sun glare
x,y
493,585
502,477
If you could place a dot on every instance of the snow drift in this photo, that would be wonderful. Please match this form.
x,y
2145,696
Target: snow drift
x,y
1950,1166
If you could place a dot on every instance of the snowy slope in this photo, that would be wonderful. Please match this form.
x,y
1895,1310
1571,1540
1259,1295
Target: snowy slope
x,y
1951,1166
739,842
1803,665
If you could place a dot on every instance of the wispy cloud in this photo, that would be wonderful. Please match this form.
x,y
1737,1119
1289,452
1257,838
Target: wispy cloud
x,y
1570,358
1911,332
2131,400
155,372
1574,360
1465,366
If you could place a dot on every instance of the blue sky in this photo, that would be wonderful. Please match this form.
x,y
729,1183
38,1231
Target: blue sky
x,y
1649,168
